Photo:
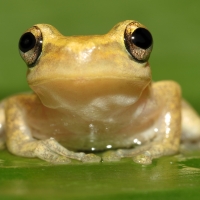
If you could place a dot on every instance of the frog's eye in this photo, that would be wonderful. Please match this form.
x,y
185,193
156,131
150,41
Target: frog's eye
x,y
138,42
30,46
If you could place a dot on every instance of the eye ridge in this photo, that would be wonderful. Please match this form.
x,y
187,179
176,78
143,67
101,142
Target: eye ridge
x,y
138,42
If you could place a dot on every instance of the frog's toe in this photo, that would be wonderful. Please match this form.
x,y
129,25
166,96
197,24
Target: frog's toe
x,y
51,151
146,153
48,155
91,158
143,158
111,156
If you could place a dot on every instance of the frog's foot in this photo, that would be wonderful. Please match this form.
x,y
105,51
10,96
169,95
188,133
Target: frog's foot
x,y
111,156
145,154
142,155
51,151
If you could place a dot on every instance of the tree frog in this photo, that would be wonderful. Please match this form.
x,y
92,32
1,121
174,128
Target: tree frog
x,y
94,94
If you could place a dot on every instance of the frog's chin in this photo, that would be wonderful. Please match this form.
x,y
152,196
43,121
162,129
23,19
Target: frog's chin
x,y
89,96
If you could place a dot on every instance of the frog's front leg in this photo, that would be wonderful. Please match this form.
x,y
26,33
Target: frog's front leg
x,y
190,137
20,141
168,127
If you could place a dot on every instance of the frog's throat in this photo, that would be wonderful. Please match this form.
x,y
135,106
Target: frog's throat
x,y
91,99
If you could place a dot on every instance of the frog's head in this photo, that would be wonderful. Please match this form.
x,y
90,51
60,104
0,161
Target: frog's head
x,y
75,71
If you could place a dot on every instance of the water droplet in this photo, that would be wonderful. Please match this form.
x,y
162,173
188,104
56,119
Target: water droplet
x,y
92,149
91,126
109,146
136,141
156,130
107,128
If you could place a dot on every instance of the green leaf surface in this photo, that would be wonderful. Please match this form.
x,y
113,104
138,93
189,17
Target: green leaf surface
x,y
175,176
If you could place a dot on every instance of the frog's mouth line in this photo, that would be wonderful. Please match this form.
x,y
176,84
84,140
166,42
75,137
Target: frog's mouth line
x,y
36,76
87,79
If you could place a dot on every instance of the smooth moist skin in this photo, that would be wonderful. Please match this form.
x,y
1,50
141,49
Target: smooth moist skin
x,y
91,94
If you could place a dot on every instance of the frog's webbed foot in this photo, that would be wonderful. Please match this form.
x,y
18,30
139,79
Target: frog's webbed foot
x,y
145,154
141,154
51,151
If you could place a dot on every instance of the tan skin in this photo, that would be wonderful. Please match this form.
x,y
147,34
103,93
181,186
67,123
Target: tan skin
x,y
94,93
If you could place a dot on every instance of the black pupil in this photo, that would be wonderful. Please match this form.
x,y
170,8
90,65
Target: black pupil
x,y
27,42
142,38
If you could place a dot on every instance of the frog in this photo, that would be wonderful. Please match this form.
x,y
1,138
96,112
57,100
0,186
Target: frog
x,y
94,100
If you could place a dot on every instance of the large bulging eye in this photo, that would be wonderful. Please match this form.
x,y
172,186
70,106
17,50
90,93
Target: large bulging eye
x,y
138,41
30,46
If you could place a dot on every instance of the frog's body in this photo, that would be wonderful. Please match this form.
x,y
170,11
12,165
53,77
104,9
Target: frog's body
x,y
94,93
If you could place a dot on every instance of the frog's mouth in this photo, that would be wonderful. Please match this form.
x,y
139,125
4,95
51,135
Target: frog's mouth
x,y
89,96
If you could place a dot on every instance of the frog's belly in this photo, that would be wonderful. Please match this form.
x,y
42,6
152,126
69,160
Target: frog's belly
x,y
106,126
96,137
